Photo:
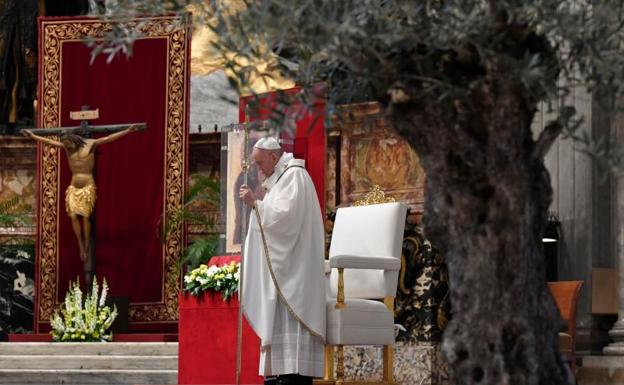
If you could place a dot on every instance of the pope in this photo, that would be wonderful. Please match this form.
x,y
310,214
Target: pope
x,y
283,295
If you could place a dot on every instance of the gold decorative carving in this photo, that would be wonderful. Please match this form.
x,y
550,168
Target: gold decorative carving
x,y
340,297
340,364
48,225
54,33
374,197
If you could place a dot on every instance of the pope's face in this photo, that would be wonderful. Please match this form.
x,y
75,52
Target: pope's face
x,y
265,160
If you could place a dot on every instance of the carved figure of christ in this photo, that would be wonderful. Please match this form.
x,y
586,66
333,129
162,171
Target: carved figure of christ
x,y
81,194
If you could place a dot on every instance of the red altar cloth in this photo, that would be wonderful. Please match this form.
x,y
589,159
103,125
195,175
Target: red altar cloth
x,y
207,340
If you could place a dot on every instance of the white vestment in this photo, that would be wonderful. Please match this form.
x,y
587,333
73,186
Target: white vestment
x,y
284,294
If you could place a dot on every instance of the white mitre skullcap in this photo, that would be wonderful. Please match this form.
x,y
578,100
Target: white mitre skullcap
x,y
268,143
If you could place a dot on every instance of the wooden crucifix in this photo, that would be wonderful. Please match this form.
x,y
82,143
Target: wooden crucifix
x,y
81,193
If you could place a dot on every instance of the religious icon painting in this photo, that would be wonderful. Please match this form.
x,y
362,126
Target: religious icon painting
x,y
234,216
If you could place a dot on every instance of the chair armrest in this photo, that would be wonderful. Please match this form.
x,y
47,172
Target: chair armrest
x,y
358,262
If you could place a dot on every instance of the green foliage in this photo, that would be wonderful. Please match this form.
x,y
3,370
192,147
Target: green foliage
x,y
420,52
87,321
204,191
223,279
199,251
12,213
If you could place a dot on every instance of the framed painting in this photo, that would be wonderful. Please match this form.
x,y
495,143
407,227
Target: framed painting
x,y
233,151
372,153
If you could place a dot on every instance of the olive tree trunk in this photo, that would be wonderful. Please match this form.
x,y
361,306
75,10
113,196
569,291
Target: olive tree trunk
x,y
487,197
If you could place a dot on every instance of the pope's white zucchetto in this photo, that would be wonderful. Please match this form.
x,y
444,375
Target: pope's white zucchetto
x,y
267,143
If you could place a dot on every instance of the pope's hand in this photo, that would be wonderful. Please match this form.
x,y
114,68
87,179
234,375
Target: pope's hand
x,y
247,195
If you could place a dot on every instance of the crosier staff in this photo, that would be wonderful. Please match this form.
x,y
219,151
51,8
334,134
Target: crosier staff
x,y
239,331
262,125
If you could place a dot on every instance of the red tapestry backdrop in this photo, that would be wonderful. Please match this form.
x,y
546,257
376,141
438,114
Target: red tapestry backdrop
x,y
139,177
309,142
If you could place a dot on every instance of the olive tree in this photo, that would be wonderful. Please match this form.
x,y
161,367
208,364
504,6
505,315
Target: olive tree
x,y
461,81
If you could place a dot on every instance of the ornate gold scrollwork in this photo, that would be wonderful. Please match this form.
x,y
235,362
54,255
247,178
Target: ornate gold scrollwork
x,y
374,197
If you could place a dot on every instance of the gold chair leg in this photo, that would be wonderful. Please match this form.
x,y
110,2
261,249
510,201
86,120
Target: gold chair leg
x,y
388,350
388,364
340,296
329,363
340,365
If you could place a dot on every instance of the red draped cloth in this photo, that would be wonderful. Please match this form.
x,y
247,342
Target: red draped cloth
x,y
309,141
139,178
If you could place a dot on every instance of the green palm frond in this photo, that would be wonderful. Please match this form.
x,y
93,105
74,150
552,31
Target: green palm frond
x,y
199,252
203,191
203,188
11,213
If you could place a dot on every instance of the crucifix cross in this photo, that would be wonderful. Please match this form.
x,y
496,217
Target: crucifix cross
x,y
84,129
81,193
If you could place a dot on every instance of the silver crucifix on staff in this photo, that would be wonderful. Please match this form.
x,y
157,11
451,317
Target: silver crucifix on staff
x,y
81,193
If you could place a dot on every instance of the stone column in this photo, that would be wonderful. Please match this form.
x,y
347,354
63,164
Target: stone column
x,y
617,332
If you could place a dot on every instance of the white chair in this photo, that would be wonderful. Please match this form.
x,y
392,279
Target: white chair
x,y
366,241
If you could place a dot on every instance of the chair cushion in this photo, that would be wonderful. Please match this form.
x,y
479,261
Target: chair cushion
x,y
362,322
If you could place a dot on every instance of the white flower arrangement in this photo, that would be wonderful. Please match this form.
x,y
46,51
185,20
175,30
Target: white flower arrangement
x,y
83,322
222,279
